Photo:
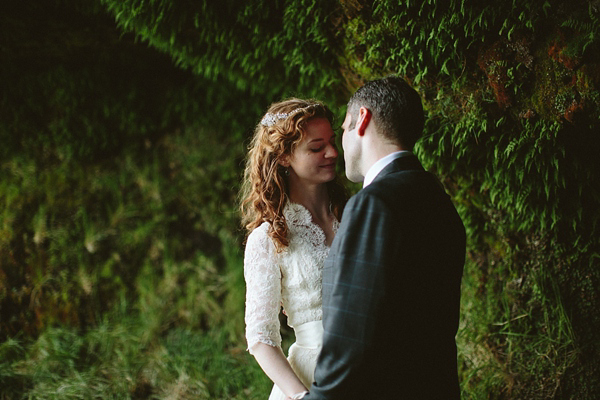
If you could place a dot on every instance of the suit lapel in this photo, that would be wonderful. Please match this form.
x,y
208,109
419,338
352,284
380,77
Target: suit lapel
x,y
406,162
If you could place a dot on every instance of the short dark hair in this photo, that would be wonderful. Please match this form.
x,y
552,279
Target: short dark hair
x,y
396,109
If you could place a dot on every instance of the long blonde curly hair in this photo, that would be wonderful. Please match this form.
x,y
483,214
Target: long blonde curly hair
x,y
265,188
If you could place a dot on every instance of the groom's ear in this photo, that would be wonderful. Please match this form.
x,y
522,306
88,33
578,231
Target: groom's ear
x,y
364,118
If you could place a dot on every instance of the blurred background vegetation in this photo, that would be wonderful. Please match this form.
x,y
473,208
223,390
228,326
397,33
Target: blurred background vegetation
x,y
124,125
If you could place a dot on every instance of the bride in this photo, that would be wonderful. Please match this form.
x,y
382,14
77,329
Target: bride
x,y
291,206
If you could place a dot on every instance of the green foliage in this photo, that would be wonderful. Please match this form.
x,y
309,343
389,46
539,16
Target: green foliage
x,y
118,191
271,48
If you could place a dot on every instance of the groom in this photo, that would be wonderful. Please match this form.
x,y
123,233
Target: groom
x,y
391,284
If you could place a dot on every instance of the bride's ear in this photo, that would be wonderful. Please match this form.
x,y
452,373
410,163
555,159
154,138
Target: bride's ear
x,y
285,161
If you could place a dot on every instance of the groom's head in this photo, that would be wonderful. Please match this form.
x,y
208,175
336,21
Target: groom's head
x,y
395,107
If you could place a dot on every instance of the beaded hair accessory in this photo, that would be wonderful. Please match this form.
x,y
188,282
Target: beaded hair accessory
x,y
271,119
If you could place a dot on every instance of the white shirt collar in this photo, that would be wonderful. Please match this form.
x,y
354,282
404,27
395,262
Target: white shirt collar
x,y
380,165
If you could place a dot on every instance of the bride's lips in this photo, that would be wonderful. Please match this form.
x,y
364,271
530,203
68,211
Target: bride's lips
x,y
332,165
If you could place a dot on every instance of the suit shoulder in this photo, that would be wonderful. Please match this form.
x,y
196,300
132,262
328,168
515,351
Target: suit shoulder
x,y
407,182
372,197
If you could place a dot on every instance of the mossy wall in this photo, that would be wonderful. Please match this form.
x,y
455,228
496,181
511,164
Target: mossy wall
x,y
124,126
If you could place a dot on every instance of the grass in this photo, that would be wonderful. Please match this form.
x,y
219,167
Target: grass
x,y
515,339
118,360
119,279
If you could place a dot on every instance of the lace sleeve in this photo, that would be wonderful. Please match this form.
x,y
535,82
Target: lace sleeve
x,y
263,290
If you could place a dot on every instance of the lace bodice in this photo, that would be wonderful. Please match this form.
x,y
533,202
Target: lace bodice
x,y
291,278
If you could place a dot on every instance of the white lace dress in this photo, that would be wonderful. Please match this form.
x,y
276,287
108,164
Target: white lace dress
x,y
292,278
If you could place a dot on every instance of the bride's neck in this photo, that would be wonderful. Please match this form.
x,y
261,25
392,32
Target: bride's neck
x,y
314,198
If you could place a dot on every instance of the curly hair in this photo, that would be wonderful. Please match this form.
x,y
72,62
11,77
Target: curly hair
x,y
265,188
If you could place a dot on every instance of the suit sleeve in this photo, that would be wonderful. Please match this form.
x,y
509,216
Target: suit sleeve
x,y
353,288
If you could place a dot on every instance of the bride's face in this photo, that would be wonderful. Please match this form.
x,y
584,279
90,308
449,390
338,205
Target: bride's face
x,y
314,159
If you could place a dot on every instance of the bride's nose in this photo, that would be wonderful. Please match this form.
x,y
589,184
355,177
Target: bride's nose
x,y
331,151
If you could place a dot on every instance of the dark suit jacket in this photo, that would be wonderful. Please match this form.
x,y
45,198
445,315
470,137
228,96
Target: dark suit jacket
x,y
391,292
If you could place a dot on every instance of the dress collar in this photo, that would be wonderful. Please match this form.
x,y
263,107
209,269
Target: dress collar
x,y
297,214
300,221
